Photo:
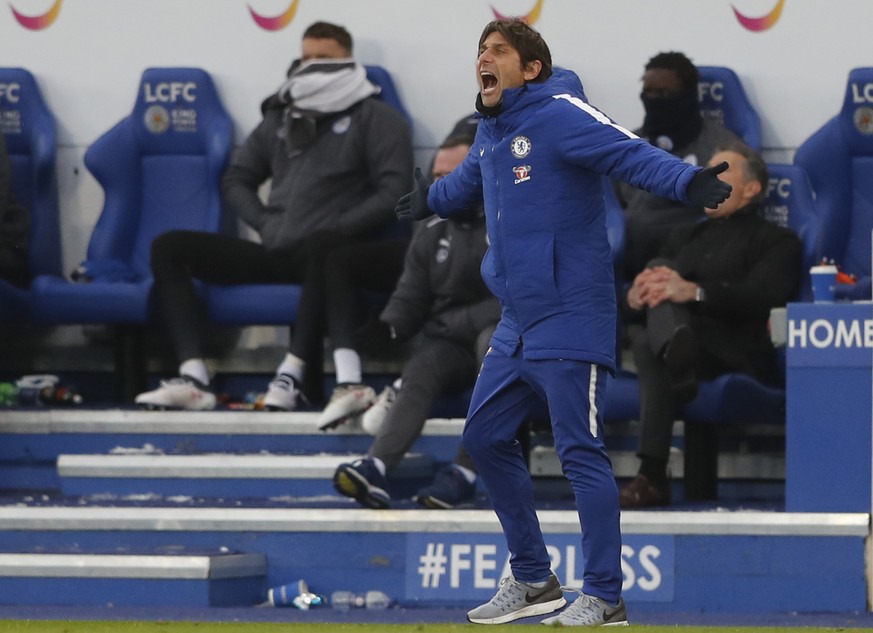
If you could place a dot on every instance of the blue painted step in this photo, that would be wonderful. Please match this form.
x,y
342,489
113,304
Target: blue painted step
x,y
724,561
39,436
168,578
33,439
224,475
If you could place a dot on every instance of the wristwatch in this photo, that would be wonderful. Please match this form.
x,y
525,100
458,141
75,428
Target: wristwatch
x,y
699,295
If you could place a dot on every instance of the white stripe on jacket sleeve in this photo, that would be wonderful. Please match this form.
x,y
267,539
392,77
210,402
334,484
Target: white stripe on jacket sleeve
x,y
595,113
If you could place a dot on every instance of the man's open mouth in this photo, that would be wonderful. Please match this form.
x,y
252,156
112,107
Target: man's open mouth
x,y
489,81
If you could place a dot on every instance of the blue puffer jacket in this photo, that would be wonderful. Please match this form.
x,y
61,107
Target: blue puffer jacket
x,y
539,165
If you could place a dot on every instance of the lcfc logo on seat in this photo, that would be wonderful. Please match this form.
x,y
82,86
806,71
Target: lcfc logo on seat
x,y
863,119
862,94
713,90
170,92
9,92
157,119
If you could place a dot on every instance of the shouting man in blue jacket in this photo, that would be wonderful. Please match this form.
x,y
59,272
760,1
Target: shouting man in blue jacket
x,y
538,160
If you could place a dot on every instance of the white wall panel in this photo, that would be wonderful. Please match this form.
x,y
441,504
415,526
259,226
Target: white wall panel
x,y
89,59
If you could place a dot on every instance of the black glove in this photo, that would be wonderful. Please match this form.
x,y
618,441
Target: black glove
x,y
706,190
413,205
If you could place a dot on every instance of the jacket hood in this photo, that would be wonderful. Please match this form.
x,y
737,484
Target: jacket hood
x,y
565,81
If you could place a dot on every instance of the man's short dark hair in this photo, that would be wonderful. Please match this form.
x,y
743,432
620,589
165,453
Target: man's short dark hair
x,y
328,31
455,140
678,63
755,167
526,40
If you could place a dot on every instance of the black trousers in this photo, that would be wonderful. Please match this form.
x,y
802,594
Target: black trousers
x,y
658,404
14,267
437,366
370,266
181,257
330,267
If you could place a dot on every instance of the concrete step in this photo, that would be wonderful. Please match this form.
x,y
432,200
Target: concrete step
x,y
39,436
167,578
763,466
34,439
309,477
753,561
223,475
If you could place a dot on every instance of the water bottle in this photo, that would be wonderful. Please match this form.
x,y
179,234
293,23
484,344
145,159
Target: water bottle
x,y
376,600
346,600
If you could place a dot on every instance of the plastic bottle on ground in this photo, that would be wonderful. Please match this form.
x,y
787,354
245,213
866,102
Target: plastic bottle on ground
x,y
346,600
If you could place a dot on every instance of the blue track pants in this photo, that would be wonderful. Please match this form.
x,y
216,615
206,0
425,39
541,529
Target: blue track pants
x,y
505,392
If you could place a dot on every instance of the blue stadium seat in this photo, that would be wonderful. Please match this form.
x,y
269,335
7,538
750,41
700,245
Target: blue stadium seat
x,y
790,202
615,228
614,225
387,90
276,304
160,169
722,97
30,132
839,160
253,304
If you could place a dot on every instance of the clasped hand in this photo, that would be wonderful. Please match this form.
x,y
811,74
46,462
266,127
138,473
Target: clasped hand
x,y
656,285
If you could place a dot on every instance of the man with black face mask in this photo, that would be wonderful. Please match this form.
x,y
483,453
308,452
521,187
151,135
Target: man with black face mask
x,y
672,122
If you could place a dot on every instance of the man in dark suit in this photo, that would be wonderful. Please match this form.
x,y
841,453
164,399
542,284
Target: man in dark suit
x,y
706,300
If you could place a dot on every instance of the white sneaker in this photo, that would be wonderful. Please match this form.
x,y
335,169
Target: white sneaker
x,y
515,599
590,611
282,393
372,419
346,401
178,393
